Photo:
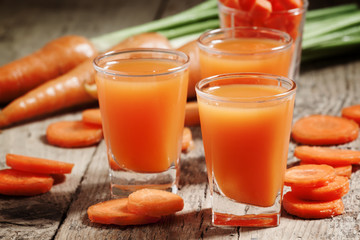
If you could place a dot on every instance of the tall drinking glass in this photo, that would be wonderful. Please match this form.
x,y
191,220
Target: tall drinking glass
x,y
245,122
245,49
142,97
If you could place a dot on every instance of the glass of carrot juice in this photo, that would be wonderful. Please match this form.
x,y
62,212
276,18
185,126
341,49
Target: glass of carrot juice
x,y
244,49
142,97
284,15
245,122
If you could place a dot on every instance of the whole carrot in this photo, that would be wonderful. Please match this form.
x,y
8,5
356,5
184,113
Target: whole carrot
x,y
68,89
52,60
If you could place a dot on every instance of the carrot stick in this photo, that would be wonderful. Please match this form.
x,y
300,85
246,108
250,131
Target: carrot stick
x,y
19,183
116,212
312,209
92,116
324,130
52,60
67,90
37,165
69,134
154,202
309,175
192,117
334,190
327,155
352,112
187,142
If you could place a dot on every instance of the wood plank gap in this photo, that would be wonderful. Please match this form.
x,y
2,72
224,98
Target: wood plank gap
x,y
74,196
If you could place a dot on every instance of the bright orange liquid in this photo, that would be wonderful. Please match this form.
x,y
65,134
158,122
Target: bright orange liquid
x,y
246,145
276,62
143,117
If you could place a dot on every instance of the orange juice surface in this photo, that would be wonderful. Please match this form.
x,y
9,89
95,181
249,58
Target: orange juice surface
x,y
246,144
245,55
143,116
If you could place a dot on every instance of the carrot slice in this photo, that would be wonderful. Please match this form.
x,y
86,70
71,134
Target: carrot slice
x,y
351,112
309,175
324,130
19,183
154,202
312,209
37,165
116,212
334,190
344,171
327,155
70,134
92,116
261,9
187,142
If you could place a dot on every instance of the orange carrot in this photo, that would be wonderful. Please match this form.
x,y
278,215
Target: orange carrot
x,y
187,142
67,90
192,117
37,165
312,209
309,175
344,171
71,134
352,112
19,183
261,9
334,190
192,50
327,155
54,59
116,212
154,202
92,116
324,130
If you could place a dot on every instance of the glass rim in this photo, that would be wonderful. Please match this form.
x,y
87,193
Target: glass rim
x,y
169,71
301,9
247,100
284,35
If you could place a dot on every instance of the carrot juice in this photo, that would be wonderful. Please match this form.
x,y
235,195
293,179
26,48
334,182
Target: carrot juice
x,y
245,50
245,126
142,103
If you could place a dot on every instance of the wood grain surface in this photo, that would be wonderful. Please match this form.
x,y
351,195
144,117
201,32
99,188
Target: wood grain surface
x,y
324,88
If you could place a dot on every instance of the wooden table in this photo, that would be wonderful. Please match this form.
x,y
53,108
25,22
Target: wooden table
x,y
324,87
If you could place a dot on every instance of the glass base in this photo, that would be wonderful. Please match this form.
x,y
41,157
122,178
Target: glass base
x,y
125,182
228,212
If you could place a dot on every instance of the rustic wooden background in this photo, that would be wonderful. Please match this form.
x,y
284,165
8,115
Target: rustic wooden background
x,y
25,25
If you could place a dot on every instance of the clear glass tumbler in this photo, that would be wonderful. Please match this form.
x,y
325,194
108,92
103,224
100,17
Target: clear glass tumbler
x,y
142,97
245,123
290,21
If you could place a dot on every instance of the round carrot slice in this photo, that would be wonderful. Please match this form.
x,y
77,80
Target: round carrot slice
x,y
327,155
324,130
344,171
70,134
352,112
309,175
154,202
19,183
37,165
334,190
312,209
116,212
92,116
